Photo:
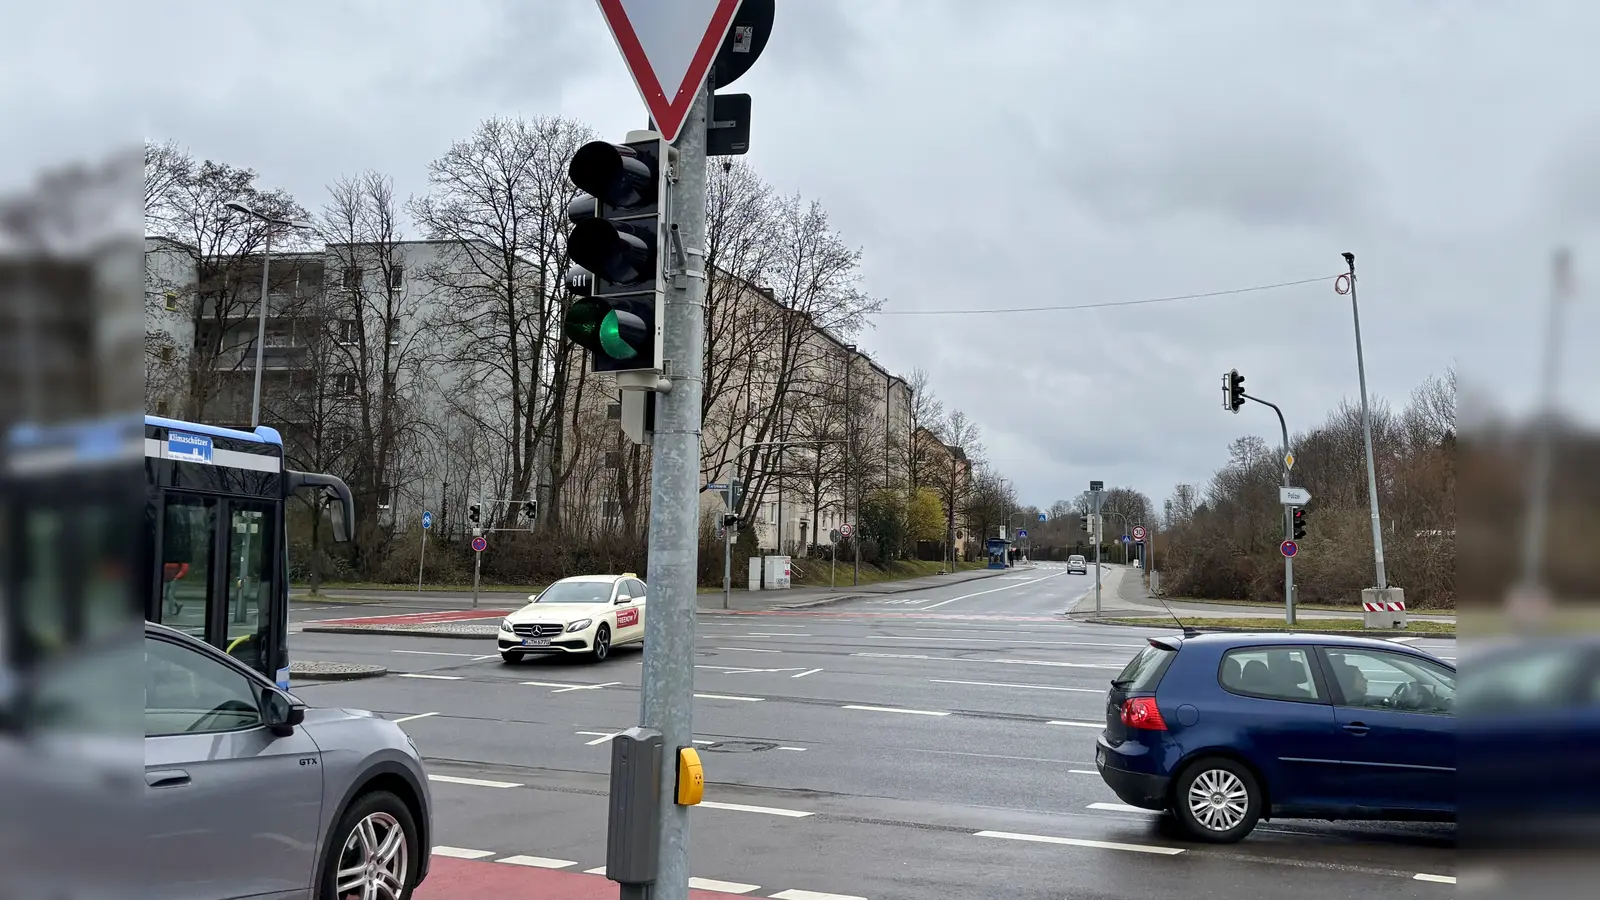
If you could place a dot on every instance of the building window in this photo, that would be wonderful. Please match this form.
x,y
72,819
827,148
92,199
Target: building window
x,y
172,301
349,331
397,278
347,384
166,353
352,278
394,331
162,407
385,496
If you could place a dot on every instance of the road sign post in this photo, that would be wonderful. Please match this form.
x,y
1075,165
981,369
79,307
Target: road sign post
x,y
479,544
422,555
1096,497
1233,386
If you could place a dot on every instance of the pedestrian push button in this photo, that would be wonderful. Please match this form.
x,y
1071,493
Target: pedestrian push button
x,y
691,777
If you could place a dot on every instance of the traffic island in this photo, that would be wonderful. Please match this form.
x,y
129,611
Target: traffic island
x,y
334,671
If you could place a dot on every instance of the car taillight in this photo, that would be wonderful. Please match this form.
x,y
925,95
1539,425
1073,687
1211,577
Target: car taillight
x,y
1142,712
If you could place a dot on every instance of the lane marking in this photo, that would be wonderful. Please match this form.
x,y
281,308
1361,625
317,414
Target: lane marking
x,y
475,782
600,737
1404,640
1080,842
765,810
729,697
805,673
597,870
725,887
891,709
1436,879
1123,807
431,653
951,640
1009,587
484,657
434,677
538,862
414,718
796,749
1032,687
1002,662
569,686
1053,762
777,634
1077,724
1082,772
461,853
813,895
747,650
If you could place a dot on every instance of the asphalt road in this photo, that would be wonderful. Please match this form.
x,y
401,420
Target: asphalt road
x,y
934,744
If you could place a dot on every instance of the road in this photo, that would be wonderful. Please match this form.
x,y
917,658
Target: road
x,y
932,744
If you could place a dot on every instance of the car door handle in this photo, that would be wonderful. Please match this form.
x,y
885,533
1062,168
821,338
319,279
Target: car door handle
x,y
165,778
1357,728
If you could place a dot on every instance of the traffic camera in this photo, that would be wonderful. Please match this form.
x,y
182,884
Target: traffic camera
x,y
1299,522
615,242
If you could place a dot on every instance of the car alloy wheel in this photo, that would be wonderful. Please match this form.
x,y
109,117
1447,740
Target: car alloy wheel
x,y
375,860
1218,800
602,643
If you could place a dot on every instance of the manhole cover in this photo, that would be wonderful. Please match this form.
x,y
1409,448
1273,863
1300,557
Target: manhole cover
x,y
739,747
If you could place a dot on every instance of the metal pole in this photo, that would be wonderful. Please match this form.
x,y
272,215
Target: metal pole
x,y
1366,434
727,559
1533,535
1288,516
1094,533
667,682
422,556
261,331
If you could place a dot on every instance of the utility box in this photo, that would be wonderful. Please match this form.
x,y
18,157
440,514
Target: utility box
x,y
778,573
1383,608
633,842
755,573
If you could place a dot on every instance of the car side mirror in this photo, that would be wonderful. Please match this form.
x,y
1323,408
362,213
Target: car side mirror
x,y
280,713
620,600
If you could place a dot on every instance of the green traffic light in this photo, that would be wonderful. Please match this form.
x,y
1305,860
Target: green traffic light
x,y
612,342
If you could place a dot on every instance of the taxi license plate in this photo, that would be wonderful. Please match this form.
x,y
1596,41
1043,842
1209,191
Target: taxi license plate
x,y
536,642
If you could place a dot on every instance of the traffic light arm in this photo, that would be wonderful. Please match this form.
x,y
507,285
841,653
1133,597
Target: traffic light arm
x,y
1284,427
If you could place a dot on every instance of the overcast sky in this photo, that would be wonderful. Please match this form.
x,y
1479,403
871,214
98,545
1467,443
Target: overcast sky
x,y
985,155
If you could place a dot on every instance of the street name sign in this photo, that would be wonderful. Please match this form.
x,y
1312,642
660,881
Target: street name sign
x,y
669,48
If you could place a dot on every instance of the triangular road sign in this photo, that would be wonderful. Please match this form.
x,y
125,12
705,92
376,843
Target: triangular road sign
x,y
669,48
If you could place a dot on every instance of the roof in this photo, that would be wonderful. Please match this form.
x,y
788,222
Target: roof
x,y
1263,638
597,577
262,435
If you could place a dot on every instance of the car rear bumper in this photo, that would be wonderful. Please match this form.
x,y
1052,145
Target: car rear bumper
x,y
1140,789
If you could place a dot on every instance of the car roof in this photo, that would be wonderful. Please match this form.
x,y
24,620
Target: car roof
x,y
1231,639
597,577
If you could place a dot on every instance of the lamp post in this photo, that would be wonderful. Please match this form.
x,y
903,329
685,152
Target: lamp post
x,y
261,323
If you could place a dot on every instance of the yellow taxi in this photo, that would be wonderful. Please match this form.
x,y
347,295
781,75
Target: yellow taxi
x,y
584,614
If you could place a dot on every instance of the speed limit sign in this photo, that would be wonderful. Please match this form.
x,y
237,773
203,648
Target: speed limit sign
x,y
1138,532
846,529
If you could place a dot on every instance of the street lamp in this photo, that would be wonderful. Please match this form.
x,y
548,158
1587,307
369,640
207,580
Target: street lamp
x,y
261,323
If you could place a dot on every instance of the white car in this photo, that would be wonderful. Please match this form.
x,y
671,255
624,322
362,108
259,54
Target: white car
x,y
585,614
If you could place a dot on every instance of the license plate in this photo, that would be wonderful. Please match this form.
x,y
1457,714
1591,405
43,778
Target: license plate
x,y
535,642
1100,757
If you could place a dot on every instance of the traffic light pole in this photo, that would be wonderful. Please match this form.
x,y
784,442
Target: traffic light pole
x,y
667,685
1288,515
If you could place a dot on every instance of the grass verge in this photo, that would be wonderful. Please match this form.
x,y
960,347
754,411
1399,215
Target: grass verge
x,y
1309,625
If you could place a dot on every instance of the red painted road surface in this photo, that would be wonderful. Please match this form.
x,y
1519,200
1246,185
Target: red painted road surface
x,y
427,618
460,879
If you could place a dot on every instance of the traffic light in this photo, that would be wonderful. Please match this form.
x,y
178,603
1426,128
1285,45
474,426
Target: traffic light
x,y
615,243
1232,390
472,514
1299,522
1083,522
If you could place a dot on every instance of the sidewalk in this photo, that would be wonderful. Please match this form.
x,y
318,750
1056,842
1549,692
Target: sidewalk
x,y
1133,599
808,597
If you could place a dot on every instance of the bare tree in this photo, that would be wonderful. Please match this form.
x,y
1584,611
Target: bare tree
x,y
953,471
165,167
927,418
501,197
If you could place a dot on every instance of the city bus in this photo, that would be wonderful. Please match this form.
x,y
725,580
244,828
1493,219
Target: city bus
x,y
202,543
216,541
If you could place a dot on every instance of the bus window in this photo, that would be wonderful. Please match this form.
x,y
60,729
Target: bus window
x,y
186,562
251,533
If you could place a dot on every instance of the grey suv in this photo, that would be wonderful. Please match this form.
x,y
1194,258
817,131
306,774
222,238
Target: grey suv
x,y
249,793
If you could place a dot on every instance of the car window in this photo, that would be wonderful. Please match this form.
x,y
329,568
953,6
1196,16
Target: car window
x,y
1144,671
639,591
1275,673
187,692
1374,679
577,592
1529,680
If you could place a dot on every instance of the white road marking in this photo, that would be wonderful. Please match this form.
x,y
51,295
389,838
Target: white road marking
x,y
1009,587
415,717
813,895
966,640
729,697
1437,879
475,782
461,853
1077,724
484,657
796,749
1033,687
1082,772
1404,640
747,650
765,810
600,737
891,709
1053,762
538,862
1003,662
805,673
563,687
1122,807
725,887
1079,842
434,677
777,634
597,870
431,653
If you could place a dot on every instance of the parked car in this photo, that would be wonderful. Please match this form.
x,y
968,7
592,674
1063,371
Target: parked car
x,y
581,615
1226,729
250,793
1077,565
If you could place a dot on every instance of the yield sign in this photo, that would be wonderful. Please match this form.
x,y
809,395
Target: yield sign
x,y
669,48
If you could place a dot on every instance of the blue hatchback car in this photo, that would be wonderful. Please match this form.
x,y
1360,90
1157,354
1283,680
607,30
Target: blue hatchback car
x,y
1226,729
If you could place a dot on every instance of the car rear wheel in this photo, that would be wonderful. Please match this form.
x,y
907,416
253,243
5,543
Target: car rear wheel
x,y
602,644
374,853
1218,800
510,657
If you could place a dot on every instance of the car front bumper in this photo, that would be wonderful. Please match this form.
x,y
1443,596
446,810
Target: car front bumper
x,y
576,642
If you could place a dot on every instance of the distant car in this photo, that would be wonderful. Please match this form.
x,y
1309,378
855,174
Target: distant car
x,y
1077,565
249,793
585,614
1227,729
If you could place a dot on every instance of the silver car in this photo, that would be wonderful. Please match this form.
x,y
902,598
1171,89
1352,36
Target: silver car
x,y
1077,565
249,793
